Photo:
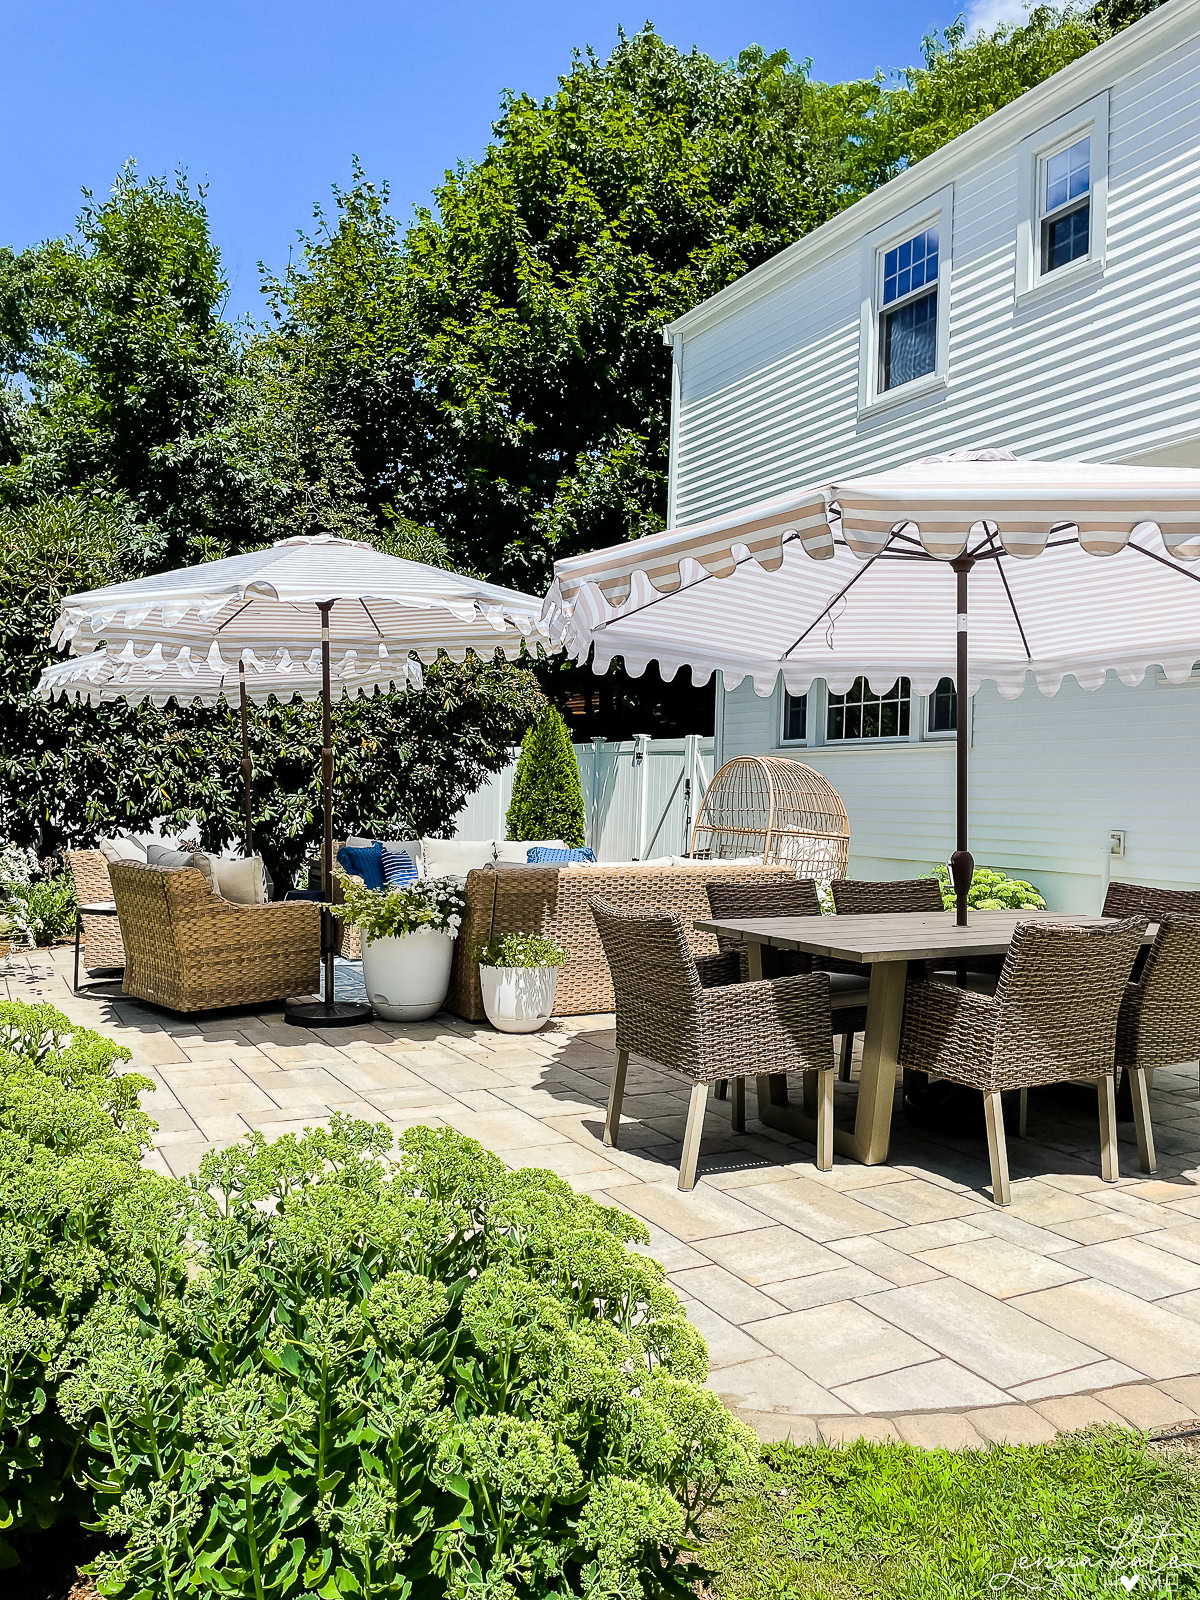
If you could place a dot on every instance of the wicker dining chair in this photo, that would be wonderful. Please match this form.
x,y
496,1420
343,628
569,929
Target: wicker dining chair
x,y
1159,1024
860,897
1149,901
1052,1019
103,949
793,897
729,1030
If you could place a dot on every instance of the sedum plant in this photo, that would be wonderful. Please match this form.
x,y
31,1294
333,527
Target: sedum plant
x,y
327,1367
521,950
991,890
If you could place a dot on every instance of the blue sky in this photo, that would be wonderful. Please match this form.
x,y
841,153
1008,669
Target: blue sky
x,y
267,102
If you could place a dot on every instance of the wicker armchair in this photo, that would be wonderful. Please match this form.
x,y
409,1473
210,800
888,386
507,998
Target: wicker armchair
x,y
102,947
735,1030
1053,1019
188,949
1159,1024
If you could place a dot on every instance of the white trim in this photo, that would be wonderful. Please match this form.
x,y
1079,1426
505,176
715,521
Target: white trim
x,y
1154,35
1090,121
935,212
676,343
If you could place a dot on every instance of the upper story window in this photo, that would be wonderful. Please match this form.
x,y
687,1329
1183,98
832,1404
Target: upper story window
x,y
904,349
908,310
1066,185
1062,173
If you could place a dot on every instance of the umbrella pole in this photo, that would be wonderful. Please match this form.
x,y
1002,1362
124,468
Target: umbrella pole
x,y
327,1012
962,863
247,763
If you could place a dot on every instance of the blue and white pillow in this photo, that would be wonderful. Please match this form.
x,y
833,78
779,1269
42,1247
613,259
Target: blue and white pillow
x,y
545,855
399,868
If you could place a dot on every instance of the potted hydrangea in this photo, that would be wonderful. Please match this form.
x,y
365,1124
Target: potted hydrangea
x,y
408,935
518,973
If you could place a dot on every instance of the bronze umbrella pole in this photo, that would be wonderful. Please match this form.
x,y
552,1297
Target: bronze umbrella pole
x,y
962,862
326,1012
247,764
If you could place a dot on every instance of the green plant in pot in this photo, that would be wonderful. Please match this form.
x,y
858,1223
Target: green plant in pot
x,y
518,974
408,935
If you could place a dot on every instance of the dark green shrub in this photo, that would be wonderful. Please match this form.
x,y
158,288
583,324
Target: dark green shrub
x,y
547,800
314,1370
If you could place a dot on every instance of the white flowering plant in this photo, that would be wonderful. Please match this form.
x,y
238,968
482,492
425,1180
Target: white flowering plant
x,y
427,905
18,866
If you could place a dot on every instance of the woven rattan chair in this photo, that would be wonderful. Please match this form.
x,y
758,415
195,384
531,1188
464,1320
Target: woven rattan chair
x,y
792,897
188,949
733,1030
1146,900
1159,1024
858,897
1053,1019
102,946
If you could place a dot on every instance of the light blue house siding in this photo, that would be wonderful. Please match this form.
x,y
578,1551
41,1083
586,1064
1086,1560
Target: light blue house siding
x,y
774,390
1050,779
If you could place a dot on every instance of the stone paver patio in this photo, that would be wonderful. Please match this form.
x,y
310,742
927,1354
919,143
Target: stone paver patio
x,y
885,1301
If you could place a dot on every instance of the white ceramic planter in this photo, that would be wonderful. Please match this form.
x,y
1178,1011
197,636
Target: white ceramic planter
x,y
518,999
406,977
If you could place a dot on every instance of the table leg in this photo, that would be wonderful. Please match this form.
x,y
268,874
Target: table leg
x,y
868,1140
877,1076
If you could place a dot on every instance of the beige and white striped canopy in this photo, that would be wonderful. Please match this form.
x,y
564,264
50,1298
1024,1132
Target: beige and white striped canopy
x,y
182,634
1079,569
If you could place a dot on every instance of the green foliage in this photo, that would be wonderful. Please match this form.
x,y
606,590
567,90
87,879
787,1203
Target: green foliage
x,y
433,905
991,890
1071,1518
315,1370
40,912
521,950
547,800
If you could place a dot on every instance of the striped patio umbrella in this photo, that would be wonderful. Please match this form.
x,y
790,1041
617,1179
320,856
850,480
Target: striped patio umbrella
x,y
1063,568
309,616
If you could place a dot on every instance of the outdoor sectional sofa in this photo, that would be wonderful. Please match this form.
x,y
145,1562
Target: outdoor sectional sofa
x,y
555,900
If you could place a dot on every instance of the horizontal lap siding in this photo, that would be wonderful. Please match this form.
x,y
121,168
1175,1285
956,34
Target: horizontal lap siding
x,y
1049,779
1103,371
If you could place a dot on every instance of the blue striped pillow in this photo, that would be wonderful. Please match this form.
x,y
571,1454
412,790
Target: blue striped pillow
x,y
399,868
544,854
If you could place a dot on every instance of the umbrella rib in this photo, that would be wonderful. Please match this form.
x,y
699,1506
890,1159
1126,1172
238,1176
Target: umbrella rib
x,y
370,618
1162,561
1013,606
235,615
829,605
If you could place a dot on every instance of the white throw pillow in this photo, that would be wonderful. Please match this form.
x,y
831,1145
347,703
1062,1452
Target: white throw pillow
x,y
122,848
456,857
239,880
517,850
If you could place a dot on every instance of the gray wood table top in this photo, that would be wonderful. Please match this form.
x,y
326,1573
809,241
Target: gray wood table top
x,y
894,935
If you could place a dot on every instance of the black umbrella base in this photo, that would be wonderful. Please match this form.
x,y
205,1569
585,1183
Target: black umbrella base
x,y
327,1013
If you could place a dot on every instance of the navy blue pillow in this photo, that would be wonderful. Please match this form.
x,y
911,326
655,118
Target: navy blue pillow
x,y
363,861
547,854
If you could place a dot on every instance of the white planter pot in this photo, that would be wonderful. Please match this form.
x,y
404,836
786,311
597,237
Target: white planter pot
x,y
518,999
406,977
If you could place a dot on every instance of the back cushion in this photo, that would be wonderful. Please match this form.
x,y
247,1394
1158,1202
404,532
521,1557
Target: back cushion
x,y
122,848
456,857
240,880
363,862
161,855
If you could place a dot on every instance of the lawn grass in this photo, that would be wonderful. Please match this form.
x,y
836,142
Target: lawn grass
x,y
891,1522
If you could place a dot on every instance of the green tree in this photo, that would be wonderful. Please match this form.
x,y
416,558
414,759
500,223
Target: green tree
x,y
547,800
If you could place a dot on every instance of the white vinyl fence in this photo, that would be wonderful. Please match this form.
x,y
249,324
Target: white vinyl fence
x,y
641,795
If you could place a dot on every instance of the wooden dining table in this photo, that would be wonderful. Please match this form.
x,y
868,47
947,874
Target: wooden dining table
x,y
885,944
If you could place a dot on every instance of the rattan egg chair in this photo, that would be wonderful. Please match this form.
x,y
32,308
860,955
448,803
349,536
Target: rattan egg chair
x,y
784,813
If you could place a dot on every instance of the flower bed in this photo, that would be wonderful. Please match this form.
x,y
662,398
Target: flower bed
x,y
316,1368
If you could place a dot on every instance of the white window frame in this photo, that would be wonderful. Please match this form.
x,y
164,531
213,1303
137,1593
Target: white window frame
x,y
919,731
1089,121
937,211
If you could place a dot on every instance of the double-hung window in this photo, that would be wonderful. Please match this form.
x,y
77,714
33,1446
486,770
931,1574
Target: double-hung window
x,y
908,310
1065,195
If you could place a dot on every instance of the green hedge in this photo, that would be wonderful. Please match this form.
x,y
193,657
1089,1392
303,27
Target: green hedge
x,y
324,1367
